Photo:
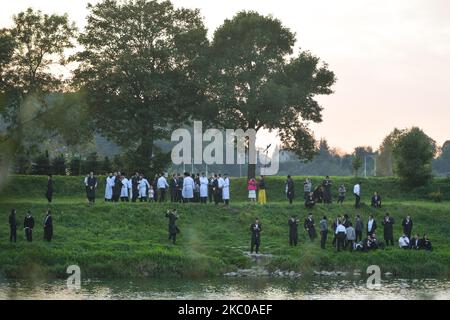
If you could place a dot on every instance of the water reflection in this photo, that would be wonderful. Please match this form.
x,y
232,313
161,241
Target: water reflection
x,y
277,289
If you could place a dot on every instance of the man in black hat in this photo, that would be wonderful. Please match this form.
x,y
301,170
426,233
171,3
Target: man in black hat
x,y
255,229
293,231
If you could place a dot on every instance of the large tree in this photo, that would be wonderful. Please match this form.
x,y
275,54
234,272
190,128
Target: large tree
x,y
141,70
413,153
256,83
442,163
385,158
31,51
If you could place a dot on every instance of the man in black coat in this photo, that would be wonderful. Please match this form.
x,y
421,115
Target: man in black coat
x,y
216,189
48,226
293,231
371,225
49,193
255,229
407,225
173,187
290,189
180,188
416,243
310,227
28,225
92,187
388,224
310,202
12,226
117,189
173,229
135,187
326,184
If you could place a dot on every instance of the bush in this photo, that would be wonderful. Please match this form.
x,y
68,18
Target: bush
x,y
436,196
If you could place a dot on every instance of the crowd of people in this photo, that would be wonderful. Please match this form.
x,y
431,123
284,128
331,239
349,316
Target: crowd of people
x,y
28,226
199,188
347,236
180,188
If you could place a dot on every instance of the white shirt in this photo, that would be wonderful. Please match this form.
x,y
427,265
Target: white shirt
x,y
370,225
403,242
341,228
162,183
357,189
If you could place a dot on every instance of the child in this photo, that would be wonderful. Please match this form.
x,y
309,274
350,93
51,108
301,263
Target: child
x,y
151,194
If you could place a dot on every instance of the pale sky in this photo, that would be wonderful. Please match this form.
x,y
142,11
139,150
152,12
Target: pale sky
x,y
391,58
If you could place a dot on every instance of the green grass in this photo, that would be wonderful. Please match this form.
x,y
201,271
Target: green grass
x,y
130,240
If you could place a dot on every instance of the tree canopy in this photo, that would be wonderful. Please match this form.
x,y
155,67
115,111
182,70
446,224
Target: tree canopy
x,y
256,82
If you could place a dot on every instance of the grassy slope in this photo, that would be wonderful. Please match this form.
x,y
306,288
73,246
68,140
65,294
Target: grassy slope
x,y
130,240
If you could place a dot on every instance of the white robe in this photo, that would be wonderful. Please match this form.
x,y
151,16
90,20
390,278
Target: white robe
x,y
226,189
203,187
109,188
220,182
188,188
124,190
143,185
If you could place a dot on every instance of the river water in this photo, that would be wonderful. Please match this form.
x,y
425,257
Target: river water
x,y
223,289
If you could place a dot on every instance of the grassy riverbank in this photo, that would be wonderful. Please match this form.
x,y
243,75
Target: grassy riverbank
x,y
130,240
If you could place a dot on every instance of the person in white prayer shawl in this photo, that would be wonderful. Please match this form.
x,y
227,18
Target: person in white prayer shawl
x,y
125,191
109,187
188,188
403,242
226,190
220,183
204,185
143,187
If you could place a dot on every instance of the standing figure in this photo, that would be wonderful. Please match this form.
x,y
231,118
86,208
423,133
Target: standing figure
x,y
188,188
109,187
357,193
125,190
180,188
290,189
407,225
359,228
144,186
371,226
173,229
293,231
135,187
307,188
211,188
117,187
255,229
220,182
48,227
12,226
323,225
226,190
251,187
310,202
92,186
262,191
351,236
341,234
28,226
388,224
326,184
49,193
173,187
310,227
162,187
197,187
216,189
342,192
204,185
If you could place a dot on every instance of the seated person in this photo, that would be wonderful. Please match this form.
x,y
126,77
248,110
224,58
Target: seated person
x,y
415,243
426,243
318,194
403,242
371,243
310,202
359,246
376,200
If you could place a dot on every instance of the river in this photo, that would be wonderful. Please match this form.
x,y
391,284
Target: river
x,y
222,289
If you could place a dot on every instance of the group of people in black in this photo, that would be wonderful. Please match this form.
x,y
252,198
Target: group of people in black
x,y
347,236
28,226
